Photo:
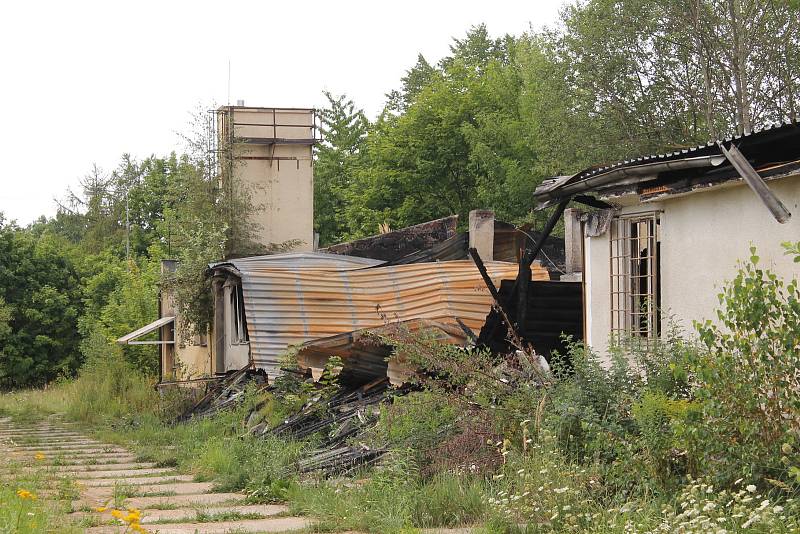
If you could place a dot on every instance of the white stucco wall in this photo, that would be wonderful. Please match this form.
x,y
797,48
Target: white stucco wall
x,y
703,235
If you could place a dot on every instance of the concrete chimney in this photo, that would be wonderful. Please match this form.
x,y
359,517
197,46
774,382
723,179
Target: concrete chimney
x,y
481,233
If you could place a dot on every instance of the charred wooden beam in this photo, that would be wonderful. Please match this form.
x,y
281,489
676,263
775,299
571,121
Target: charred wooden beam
x,y
530,256
467,330
592,202
500,305
523,283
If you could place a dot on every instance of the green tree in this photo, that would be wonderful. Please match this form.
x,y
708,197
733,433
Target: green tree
x,y
433,157
344,129
41,303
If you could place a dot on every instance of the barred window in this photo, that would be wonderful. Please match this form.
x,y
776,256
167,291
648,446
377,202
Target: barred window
x,y
635,278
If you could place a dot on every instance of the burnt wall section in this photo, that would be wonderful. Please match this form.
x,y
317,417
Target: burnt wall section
x,y
554,308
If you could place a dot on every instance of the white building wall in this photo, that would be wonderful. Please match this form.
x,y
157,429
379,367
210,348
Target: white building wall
x,y
703,236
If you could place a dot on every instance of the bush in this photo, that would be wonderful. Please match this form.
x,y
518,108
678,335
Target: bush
x,y
747,381
108,388
415,423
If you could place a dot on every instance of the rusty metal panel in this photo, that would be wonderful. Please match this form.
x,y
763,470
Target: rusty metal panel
x,y
365,354
288,306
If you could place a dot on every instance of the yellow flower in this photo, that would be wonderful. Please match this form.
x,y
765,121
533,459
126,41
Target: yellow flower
x,y
137,527
25,494
100,509
39,456
116,513
132,518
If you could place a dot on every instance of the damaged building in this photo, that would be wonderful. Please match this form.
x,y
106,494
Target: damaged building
x,y
327,302
657,236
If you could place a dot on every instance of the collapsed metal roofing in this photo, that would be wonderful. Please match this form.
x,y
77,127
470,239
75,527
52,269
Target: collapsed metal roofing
x,y
366,353
296,260
772,150
395,245
287,304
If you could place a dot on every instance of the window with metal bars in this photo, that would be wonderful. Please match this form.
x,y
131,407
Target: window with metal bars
x,y
635,278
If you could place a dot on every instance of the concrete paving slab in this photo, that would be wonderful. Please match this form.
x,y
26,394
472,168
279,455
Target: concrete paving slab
x,y
76,447
104,467
190,514
74,451
58,442
180,488
123,473
134,481
182,501
75,455
280,524
85,461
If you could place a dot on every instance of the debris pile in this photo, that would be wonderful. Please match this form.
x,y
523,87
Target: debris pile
x,y
339,418
225,394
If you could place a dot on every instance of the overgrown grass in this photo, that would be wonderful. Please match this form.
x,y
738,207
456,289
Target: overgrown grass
x,y
28,503
656,443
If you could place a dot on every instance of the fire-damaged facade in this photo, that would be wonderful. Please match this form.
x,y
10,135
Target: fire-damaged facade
x,y
656,236
326,303
420,277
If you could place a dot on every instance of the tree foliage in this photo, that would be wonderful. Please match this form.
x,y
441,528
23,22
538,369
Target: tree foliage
x,y
40,302
480,128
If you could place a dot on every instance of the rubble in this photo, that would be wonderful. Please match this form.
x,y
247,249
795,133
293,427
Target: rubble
x,y
224,394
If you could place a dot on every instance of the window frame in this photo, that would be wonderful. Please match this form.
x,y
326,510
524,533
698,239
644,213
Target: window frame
x,y
239,334
634,275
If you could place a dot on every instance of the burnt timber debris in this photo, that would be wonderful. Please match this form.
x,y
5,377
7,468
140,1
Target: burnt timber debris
x,y
225,394
339,420
372,374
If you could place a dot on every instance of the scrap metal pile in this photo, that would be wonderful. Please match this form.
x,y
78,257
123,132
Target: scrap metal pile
x,y
339,420
224,394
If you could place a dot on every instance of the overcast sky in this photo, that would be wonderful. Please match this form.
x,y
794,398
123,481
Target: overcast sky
x,y
84,82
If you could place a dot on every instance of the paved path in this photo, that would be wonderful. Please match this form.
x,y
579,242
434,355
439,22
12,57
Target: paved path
x,y
108,475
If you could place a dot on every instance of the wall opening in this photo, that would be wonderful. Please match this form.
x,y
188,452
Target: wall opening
x,y
239,333
635,276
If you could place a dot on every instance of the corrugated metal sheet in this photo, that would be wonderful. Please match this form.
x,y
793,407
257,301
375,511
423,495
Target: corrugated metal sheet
x,y
297,260
291,306
364,355
549,190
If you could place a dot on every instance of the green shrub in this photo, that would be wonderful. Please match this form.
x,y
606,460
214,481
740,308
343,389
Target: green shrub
x,y
449,500
417,421
108,388
747,382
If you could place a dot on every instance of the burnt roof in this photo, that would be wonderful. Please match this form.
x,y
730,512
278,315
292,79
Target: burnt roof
x,y
394,245
772,150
